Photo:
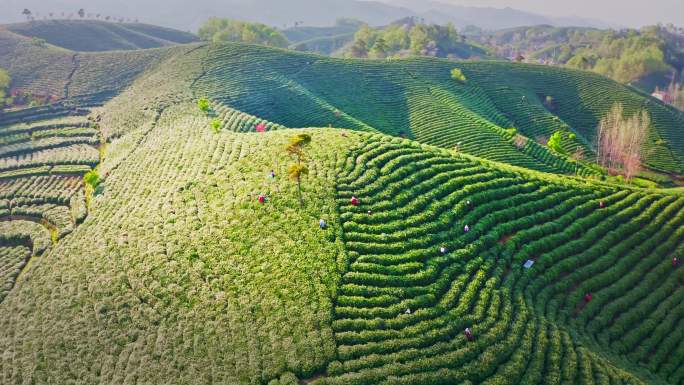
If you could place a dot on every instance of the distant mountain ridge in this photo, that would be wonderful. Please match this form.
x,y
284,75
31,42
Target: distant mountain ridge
x,y
178,14
488,17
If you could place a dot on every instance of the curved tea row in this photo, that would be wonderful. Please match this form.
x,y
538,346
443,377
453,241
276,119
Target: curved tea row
x,y
417,276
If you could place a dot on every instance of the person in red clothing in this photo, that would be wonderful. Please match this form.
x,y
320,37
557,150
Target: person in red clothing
x,y
675,261
602,205
262,198
354,201
588,297
469,334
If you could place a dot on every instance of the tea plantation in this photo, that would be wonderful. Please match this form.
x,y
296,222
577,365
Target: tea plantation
x,y
418,99
90,77
193,261
92,35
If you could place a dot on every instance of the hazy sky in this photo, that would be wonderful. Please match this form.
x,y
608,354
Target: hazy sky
x,y
623,12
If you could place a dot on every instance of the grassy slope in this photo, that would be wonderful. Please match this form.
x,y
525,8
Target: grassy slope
x,y
91,35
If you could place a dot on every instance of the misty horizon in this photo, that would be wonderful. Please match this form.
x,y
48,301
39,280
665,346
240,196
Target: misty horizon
x,y
488,14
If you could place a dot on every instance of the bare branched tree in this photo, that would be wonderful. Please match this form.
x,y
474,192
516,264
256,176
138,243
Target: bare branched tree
x,y
619,141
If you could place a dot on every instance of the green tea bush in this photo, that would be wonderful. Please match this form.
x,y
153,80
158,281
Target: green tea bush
x,y
403,305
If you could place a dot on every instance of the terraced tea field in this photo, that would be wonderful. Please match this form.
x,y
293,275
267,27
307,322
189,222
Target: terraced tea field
x,y
498,113
404,302
248,295
92,35
92,77
418,99
42,162
194,262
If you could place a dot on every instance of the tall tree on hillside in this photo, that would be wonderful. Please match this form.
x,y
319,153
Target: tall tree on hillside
x,y
619,141
359,49
296,149
419,40
379,49
27,13
81,13
4,87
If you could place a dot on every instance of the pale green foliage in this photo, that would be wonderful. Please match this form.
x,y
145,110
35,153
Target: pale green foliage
x,y
203,105
220,30
458,75
39,42
92,179
555,142
216,125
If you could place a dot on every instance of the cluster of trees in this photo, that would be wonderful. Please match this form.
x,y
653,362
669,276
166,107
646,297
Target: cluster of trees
x,y
619,141
30,16
409,38
5,82
626,55
218,30
296,149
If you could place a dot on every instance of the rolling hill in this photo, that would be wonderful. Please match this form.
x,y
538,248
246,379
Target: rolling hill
x,y
172,271
91,35
500,104
52,71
